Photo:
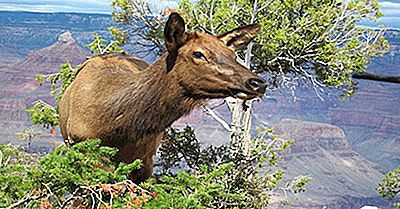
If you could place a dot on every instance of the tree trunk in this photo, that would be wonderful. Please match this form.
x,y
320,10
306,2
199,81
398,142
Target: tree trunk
x,y
241,123
241,110
240,127
241,115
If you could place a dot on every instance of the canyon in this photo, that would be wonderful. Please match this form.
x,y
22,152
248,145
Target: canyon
x,y
344,146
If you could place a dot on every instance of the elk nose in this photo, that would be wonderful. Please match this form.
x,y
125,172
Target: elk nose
x,y
257,84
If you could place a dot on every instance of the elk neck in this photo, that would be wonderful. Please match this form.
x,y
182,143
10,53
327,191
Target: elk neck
x,y
153,100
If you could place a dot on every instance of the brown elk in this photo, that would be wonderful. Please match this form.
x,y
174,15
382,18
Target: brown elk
x,y
128,103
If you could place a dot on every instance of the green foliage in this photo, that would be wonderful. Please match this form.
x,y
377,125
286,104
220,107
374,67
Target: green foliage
x,y
86,163
85,175
182,150
102,46
15,167
207,189
315,44
389,187
65,76
61,173
250,179
215,17
44,114
141,24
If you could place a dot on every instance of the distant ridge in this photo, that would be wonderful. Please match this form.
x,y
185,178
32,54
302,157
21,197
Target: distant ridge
x,y
23,32
42,61
72,13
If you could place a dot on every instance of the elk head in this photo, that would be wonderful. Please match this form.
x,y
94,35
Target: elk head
x,y
205,65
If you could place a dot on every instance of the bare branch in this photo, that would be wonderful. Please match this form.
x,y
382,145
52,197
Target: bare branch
x,y
216,117
23,201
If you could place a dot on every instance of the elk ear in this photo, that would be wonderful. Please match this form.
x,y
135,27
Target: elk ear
x,y
175,37
238,38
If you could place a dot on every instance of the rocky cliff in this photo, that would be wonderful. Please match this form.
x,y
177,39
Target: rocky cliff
x,y
23,32
341,178
19,90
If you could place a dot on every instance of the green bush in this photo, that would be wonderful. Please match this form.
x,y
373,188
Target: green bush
x,y
389,187
85,176
32,179
248,181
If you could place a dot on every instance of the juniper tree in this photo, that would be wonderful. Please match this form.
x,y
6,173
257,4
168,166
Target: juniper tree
x,y
310,44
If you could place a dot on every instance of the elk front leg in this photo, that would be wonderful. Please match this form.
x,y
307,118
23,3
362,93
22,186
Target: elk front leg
x,y
143,151
144,172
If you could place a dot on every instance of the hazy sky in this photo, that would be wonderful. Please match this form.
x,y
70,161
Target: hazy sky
x,y
81,6
390,8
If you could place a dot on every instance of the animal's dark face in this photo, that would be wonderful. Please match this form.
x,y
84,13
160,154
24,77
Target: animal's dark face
x,y
206,65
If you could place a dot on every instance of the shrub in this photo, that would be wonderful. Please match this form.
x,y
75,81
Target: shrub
x,y
61,176
84,176
389,187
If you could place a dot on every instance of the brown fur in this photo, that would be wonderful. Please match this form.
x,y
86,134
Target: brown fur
x,y
128,103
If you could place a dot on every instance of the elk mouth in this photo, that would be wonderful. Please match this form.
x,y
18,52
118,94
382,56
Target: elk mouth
x,y
244,93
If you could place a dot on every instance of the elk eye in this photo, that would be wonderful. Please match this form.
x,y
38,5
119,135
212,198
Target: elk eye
x,y
199,55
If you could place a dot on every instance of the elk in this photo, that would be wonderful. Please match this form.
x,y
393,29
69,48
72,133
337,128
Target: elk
x,y
128,104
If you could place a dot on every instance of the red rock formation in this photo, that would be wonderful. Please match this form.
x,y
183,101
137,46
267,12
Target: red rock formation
x,y
19,90
341,178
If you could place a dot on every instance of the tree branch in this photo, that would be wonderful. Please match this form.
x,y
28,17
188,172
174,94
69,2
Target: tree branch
x,y
216,117
375,77
23,201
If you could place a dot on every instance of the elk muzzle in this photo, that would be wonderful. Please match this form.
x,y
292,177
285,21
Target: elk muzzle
x,y
257,85
253,87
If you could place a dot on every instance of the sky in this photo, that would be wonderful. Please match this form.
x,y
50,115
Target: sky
x,y
391,11
390,8
80,6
